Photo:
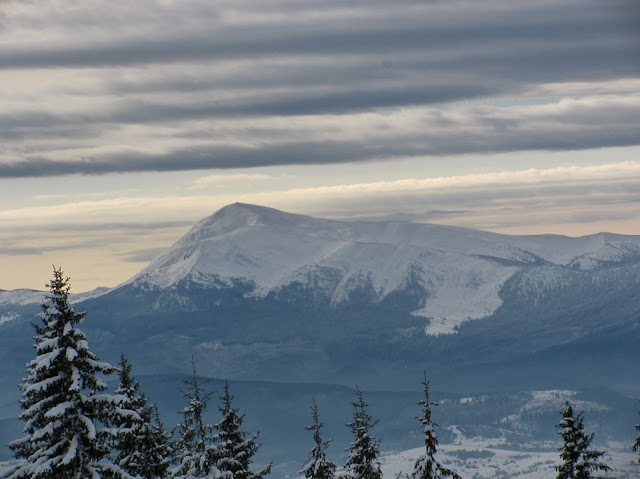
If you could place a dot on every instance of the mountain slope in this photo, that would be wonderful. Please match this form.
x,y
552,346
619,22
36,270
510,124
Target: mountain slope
x,y
460,270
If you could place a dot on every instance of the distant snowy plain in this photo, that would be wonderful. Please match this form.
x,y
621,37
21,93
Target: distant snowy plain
x,y
478,458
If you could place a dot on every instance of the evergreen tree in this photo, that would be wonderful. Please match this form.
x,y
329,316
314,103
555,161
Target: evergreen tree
x,y
141,445
426,466
580,460
196,451
364,450
165,448
234,447
636,445
318,466
67,416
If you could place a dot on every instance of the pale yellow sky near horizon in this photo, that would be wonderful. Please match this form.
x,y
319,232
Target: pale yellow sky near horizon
x,y
105,229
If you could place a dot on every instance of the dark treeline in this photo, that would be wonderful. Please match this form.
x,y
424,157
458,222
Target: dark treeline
x,y
76,429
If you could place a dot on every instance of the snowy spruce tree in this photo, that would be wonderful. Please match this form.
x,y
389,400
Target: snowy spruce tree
x,y
318,466
426,466
636,445
195,449
234,447
141,446
67,413
364,450
580,461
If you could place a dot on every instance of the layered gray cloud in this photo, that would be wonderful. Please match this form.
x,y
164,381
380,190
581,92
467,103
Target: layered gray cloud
x,y
20,251
109,87
570,125
55,226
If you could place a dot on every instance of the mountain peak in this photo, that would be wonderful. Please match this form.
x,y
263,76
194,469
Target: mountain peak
x,y
239,215
227,219
227,244
462,269
240,208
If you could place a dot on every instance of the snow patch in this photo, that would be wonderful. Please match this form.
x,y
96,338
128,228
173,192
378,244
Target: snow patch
x,y
4,318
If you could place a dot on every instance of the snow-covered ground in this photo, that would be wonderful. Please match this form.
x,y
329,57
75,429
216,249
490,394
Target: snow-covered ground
x,y
496,457
549,401
8,317
480,458
480,462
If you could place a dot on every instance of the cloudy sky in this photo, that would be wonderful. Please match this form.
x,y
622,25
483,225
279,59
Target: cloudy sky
x,y
124,122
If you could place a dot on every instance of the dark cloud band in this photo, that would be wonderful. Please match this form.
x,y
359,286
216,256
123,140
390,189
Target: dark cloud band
x,y
321,152
189,70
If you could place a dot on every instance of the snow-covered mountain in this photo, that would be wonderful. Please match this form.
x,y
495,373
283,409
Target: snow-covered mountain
x,y
24,297
460,270
256,294
21,296
26,302
259,294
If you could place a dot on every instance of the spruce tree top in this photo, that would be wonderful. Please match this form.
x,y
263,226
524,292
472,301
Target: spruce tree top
x,y
141,446
580,461
318,466
197,454
128,386
195,434
364,450
235,448
67,422
426,466
636,445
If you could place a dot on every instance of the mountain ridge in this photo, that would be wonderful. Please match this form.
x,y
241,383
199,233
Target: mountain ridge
x,y
458,273
461,269
256,293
